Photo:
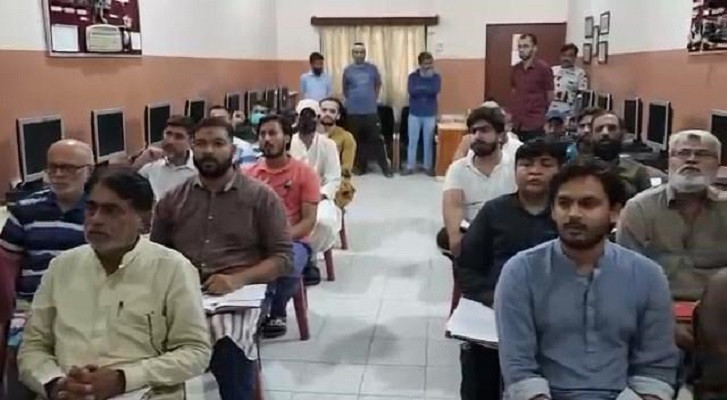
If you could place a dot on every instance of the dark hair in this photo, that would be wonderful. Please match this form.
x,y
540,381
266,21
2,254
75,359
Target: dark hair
x,y
359,44
493,116
621,123
540,147
180,121
342,114
215,122
530,36
219,107
588,166
589,112
281,119
569,47
315,56
126,183
424,55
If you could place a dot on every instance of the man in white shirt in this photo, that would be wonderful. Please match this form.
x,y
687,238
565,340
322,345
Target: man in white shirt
x,y
471,181
321,153
172,166
510,141
568,80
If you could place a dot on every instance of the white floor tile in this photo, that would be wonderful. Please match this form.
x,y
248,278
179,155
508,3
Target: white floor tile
x,y
312,377
437,327
340,307
394,381
401,327
322,396
443,353
410,352
443,382
337,327
278,395
333,349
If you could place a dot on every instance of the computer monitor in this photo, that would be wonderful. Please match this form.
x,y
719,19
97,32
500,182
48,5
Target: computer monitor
x,y
196,109
659,126
108,134
253,97
232,102
155,120
271,98
634,116
718,127
34,138
604,101
283,95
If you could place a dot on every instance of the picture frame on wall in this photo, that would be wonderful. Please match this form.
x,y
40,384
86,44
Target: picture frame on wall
x,y
605,23
589,27
596,39
587,53
603,52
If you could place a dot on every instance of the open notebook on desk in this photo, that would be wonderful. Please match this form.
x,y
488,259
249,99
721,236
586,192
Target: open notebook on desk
x,y
249,296
473,322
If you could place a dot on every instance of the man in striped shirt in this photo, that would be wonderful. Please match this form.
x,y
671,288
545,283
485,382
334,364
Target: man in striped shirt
x,y
38,228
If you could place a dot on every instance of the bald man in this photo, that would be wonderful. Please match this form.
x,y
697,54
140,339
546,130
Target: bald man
x,y
38,228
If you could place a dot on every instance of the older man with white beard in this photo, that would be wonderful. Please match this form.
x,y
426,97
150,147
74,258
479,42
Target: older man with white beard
x,y
679,225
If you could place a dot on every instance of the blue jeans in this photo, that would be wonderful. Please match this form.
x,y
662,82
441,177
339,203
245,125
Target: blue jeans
x,y
235,374
417,125
285,286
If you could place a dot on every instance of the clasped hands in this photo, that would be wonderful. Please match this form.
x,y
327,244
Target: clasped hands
x,y
88,383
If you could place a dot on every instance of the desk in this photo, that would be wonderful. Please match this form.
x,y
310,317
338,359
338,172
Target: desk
x,y
448,138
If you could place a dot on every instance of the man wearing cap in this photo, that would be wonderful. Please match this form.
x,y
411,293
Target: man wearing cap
x,y
321,154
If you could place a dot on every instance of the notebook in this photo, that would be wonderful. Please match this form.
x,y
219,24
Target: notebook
x,y
250,296
473,322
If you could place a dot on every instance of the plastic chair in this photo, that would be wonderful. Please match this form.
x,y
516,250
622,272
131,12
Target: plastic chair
x,y
300,303
328,258
342,234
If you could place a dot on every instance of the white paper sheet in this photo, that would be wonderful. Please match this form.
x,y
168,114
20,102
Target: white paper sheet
x,y
248,296
135,41
65,38
472,321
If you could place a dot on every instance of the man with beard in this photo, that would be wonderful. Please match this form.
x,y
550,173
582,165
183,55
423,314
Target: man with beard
x,y
532,88
234,230
503,227
320,153
315,84
510,142
177,165
584,128
297,185
569,79
486,174
606,142
579,316
678,225
331,113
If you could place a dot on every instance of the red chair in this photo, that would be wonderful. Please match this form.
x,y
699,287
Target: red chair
x,y
344,237
328,257
300,303
258,382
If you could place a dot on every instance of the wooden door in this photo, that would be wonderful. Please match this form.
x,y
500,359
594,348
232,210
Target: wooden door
x,y
499,53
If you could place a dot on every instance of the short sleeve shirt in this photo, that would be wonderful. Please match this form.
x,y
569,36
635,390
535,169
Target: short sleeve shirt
x,y
530,99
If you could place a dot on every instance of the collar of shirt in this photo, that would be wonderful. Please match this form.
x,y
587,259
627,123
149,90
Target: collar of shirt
x,y
228,186
504,161
263,166
189,164
515,199
561,259
80,204
671,193
128,257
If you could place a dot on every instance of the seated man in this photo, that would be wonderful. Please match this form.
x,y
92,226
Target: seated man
x,y
38,228
503,227
472,181
119,314
297,185
176,166
584,127
678,225
331,112
321,154
555,125
711,340
234,230
246,152
580,317
509,143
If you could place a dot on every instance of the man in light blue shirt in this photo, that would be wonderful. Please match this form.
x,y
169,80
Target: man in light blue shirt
x,y
315,84
580,317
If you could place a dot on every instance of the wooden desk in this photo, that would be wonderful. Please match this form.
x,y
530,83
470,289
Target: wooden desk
x,y
448,138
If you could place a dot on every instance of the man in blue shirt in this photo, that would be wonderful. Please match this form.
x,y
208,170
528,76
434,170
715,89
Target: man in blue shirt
x,y
361,88
424,87
580,317
315,84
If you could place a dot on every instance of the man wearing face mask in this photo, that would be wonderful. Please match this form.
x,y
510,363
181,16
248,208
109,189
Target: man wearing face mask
x,y
569,79
248,150
315,84
678,224
532,89
606,144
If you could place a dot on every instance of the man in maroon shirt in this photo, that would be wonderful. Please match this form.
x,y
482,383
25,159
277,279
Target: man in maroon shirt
x,y
532,89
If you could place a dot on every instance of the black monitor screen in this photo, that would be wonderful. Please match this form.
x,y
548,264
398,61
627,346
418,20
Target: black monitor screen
x,y
603,102
656,131
110,133
37,138
156,118
270,99
197,110
719,129
233,102
632,116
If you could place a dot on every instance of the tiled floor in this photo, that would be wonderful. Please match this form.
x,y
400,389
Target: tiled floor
x,y
377,332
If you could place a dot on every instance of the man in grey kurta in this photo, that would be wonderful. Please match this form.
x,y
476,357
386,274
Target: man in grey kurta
x,y
580,317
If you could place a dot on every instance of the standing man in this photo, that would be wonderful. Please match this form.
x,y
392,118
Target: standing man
x,y
423,87
569,80
532,89
579,316
234,230
297,185
177,164
119,314
331,113
361,88
503,227
315,84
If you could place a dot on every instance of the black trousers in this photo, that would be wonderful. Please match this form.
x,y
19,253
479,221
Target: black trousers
x,y
481,377
367,132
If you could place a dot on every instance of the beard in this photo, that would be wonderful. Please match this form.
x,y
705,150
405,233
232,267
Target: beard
x,y
483,149
210,167
689,183
327,121
587,239
271,152
607,149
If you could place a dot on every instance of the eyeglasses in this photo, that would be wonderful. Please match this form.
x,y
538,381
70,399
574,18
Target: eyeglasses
x,y
64,168
699,154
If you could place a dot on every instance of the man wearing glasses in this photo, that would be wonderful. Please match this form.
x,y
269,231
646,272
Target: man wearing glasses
x,y
38,228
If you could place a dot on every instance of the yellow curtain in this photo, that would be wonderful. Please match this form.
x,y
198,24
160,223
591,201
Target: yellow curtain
x,y
393,49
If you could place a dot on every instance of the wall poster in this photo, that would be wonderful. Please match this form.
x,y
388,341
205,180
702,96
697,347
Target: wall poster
x,y
708,30
101,28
